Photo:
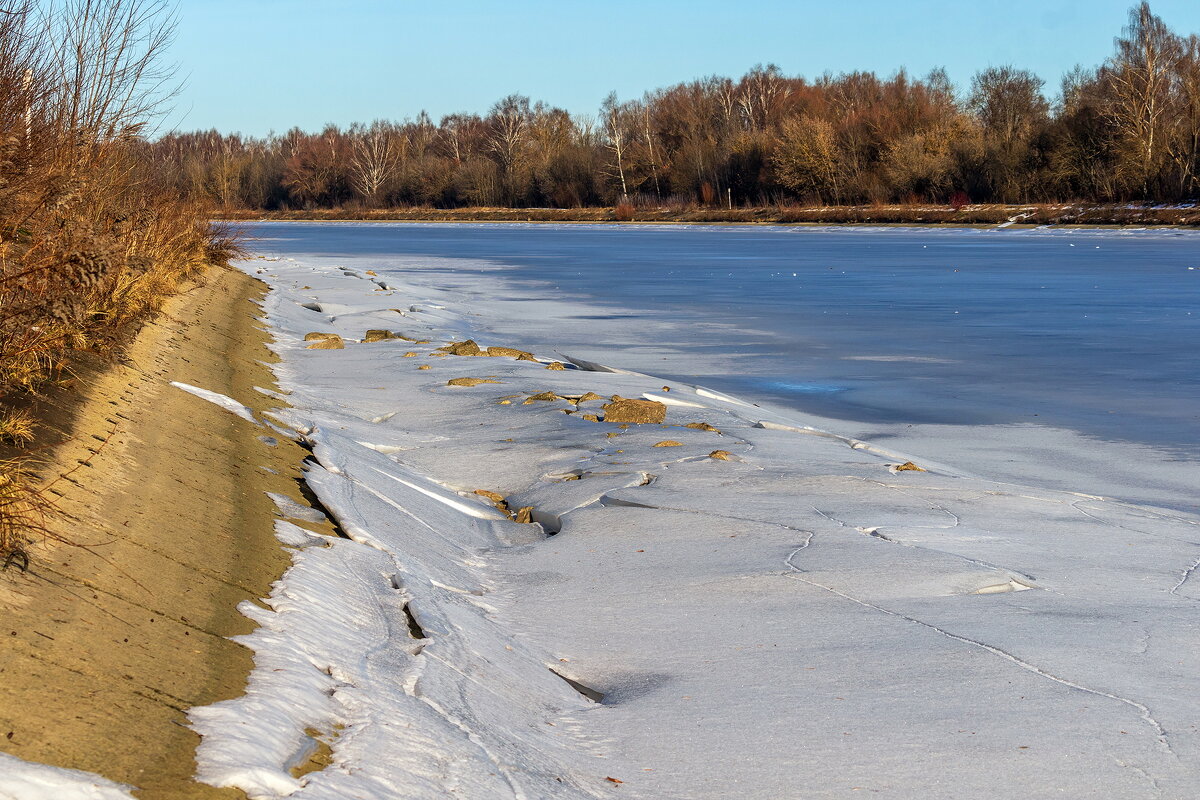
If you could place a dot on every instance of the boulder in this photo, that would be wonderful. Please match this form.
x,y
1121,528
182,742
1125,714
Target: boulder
x,y
510,352
324,341
467,348
640,412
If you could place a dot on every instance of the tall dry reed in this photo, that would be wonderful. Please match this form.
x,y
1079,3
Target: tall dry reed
x,y
92,241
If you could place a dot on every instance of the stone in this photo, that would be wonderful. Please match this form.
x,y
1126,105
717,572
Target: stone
x,y
378,335
721,455
640,412
468,381
545,397
909,467
325,341
467,348
702,426
668,443
510,352
555,365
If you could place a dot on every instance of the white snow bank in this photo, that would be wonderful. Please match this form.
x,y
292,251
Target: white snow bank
x,y
23,780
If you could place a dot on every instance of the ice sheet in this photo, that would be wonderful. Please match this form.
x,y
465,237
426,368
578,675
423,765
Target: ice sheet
x,y
794,618
1067,348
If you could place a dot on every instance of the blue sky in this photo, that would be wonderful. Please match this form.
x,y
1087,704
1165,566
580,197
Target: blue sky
x,y
260,65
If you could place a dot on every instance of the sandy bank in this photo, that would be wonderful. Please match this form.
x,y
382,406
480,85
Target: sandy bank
x,y
107,645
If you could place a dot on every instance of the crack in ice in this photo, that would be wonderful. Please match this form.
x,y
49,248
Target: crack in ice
x,y
1143,711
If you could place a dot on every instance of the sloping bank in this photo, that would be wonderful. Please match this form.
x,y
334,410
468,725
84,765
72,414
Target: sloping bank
x,y
721,602
108,643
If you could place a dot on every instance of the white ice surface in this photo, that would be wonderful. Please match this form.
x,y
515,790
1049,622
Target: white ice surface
x,y
800,621
23,780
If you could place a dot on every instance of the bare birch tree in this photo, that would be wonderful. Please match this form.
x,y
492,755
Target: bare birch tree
x,y
616,135
374,159
509,120
1139,78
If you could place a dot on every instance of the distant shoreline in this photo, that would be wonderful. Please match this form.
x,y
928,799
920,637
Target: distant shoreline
x,y
1059,215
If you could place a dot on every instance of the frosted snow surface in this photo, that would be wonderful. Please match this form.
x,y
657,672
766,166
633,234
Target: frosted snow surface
x,y
23,780
797,619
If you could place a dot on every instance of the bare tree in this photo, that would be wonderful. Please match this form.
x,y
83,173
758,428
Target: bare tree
x,y
616,135
808,160
1139,78
374,158
111,78
1182,120
760,92
509,119
649,134
1010,109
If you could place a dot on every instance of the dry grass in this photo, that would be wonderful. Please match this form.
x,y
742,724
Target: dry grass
x,y
23,513
16,428
92,240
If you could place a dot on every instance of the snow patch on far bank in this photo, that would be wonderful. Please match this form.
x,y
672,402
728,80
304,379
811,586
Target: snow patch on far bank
x,y
225,402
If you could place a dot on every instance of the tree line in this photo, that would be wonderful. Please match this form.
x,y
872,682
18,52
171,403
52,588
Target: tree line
x,y
1128,130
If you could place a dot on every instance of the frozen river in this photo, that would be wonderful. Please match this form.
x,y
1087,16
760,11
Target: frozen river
x,y
959,338
726,596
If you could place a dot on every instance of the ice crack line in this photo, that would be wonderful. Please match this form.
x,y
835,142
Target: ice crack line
x,y
1075,505
1142,710
1187,573
985,564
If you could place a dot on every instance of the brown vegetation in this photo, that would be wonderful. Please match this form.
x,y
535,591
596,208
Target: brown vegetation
x,y
1127,131
873,214
92,239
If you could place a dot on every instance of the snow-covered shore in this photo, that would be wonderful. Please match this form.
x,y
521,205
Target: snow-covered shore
x,y
794,617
